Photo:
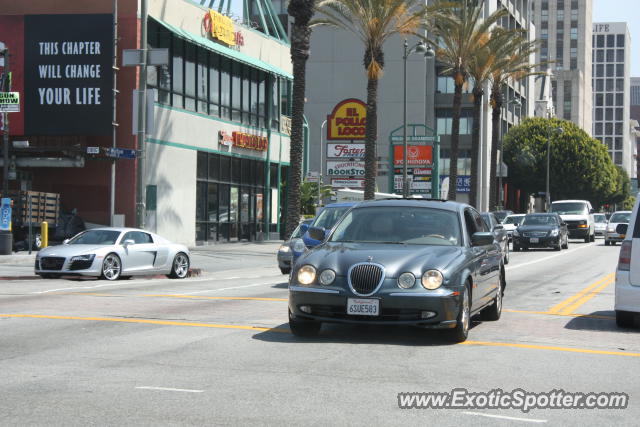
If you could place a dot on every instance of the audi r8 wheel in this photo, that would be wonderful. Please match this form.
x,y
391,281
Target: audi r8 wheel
x,y
180,266
111,267
461,331
304,328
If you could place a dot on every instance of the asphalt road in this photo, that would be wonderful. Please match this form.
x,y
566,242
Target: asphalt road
x,y
217,350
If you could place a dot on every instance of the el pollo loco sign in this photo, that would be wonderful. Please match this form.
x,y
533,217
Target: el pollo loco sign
x,y
347,121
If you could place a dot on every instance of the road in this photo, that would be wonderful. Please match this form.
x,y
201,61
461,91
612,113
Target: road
x,y
216,349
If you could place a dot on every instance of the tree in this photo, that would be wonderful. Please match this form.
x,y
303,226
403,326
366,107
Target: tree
x,y
514,65
623,188
302,11
580,167
482,65
457,30
309,196
373,22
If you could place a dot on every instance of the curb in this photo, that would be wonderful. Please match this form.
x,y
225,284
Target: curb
x,y
193,272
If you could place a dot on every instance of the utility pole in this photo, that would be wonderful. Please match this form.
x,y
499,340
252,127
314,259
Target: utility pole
x,y
114,121
6,86
142,108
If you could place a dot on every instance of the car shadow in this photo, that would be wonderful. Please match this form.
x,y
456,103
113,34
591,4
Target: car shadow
x,y
601,321
363,334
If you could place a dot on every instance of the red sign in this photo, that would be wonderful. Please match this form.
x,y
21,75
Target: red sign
x,y
417,155
252,142
348,120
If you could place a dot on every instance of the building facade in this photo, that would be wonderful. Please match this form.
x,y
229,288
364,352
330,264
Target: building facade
x,y
335,73
611,92
216,153
564,30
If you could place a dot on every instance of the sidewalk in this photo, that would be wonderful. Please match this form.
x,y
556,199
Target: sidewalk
x,y
204,259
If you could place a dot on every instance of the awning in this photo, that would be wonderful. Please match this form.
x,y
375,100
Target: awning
x,y
225,51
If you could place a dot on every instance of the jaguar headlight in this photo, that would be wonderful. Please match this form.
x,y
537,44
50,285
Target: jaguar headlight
x,y
554,232
299,246
306,274
516,233
89,257
327,277
284,248
406,280
432,279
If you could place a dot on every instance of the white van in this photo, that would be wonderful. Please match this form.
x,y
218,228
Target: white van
x,y
627,303
578,214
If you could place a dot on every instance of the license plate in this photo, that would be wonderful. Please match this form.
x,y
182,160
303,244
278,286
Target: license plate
x,y
363,307
535,240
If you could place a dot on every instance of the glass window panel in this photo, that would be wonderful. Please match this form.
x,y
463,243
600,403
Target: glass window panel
x,y
619,99
223,204
262,96
254,97
619,113
212,202
190,71
246,94
620,55
202,165
611,40
608,128
201,201
285,88
609,114
203,81
618,143
607,142
598,128
236,92
611,70
214,167
610,84
618,128
600,70
618,158
620,40
620,70
611,55
225,88
609,99
178,71
235,170
600,41
619,85
599,114
214,84
275,112
599,85
599,99
225,169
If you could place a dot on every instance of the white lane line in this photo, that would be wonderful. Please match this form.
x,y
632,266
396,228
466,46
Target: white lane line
x,y
184,390
504,417
549,257
253,285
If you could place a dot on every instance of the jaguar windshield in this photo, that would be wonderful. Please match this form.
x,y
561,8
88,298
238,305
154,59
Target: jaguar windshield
x,y
399,225
329,216
540,220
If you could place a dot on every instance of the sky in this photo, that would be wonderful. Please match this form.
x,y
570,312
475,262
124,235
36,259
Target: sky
x,y
622,11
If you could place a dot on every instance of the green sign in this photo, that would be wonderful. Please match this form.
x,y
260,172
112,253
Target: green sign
x,y
9,102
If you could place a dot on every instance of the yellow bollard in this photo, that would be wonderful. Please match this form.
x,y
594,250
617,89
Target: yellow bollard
x,y
44,234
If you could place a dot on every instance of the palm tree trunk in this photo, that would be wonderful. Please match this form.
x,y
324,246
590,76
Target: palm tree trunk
x,y
371,132
475,145
455,139
300,40
496,104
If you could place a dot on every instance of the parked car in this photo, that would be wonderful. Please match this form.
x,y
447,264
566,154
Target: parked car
x,y
293,247
627,299
499,233
113,253
541,230
611,235
428,263
512,222
501,215
326,219
578,214
600,223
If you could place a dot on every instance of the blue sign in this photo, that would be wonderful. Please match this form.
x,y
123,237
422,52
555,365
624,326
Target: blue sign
x,y
463,183
5,214
121,153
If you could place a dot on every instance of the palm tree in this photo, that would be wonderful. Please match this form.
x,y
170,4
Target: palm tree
x,y
373,22
515,66
482,65
457,30
302,11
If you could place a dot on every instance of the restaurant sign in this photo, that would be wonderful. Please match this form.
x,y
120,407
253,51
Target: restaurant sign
x,y
252,142
347,121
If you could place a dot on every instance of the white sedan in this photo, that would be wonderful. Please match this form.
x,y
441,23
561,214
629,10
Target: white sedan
x,y
114,253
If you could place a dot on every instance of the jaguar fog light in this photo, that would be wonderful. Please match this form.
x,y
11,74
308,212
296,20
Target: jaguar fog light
x,y
406,280
432,279
306,274
327,277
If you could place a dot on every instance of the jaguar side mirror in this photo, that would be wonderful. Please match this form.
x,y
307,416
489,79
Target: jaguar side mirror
x,y
481,239
316,233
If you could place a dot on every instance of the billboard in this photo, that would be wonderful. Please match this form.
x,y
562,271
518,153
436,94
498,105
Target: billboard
x,y
345,150
345,168
417,155
347,121
68,76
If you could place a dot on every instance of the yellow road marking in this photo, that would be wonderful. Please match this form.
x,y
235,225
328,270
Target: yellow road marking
x,y
148,321
548,313
552,348
559,307
573,307
286,331
222,298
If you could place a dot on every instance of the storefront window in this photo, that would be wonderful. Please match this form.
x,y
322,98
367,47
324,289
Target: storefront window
x,y
275,111
214,84
190,77
225,88
236,92
203,81
177,72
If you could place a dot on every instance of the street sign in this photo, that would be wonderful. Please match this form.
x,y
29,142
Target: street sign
x,y
93,150
154,57
121,153
411,138
313,176
9,102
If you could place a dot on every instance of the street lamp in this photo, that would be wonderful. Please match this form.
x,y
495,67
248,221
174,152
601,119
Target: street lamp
x,y
558,131
419,47
516,103
321,153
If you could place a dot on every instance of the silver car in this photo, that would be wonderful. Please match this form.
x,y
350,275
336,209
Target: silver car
x,y
600,223
114,253
611,235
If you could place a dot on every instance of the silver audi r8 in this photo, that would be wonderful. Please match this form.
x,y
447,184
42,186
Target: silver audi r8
x,y
114,253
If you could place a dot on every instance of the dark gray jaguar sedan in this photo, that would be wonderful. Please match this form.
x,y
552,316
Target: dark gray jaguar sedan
x,y
427,263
